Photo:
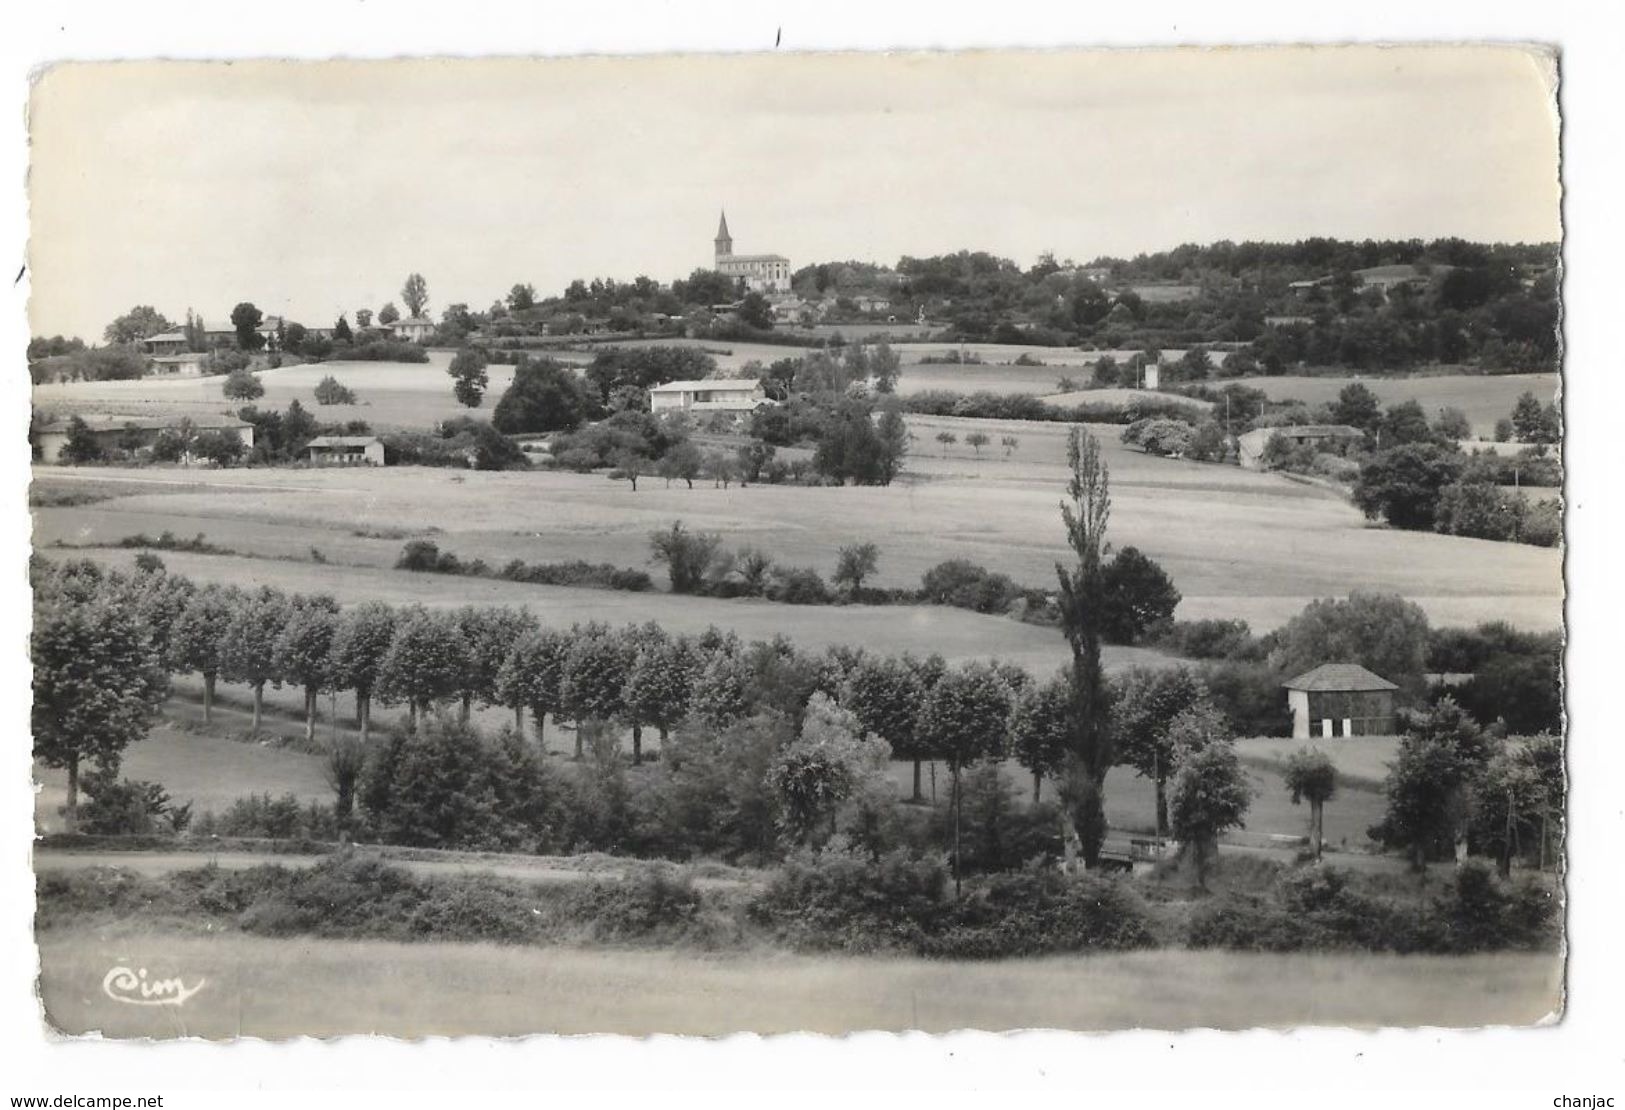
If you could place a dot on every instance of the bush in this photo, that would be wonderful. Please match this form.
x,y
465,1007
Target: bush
x,y
329,391
842,901
797,586
240,385
965,585
1040,911
382,350
1211,639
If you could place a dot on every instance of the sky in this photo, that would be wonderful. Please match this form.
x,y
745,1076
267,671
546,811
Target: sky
x,y
312,188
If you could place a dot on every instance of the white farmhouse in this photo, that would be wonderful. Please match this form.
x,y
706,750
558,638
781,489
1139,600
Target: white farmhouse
x,y
738,395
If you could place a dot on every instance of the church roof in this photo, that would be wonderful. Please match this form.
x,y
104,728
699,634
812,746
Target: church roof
x,y
722,227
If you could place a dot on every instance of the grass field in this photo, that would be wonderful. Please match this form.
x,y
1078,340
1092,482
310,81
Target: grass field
x,y
390,395
1485,398
299,987
1237,543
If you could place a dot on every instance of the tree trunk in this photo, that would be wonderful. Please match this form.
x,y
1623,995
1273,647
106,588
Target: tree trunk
x,y
208,696
1317,815
363,710
1038,786
411,715
539,715
259,704
519,720
1162,807
637,745
579,753
467,707
918,797
310,714
71,816
957,867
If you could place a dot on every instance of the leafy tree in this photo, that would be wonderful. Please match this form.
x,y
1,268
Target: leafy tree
x,y
219,447
98,683
978,440
894,437
1312,776
1383,633
684,461
545,396
303,654
593,683
424,664
756,312
856,562
361,639
1009,443
241,385
489,633
363,318
659,686
1083,604
469,377
389,314
1522,691
416,294
1405,423
329,391
947,439
141,322
521,297
629,467
246,319
687,555
82,446
1210,793
1041,729
1482,510
248,643
966,718
1148,702
1533,422
887,694
531,676
1357,407
885,367
195,641
722,694
1429,785
1139,596
341,330
822,767
1402,484
1452,424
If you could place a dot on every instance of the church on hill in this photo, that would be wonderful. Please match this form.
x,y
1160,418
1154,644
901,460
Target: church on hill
x,y
763,273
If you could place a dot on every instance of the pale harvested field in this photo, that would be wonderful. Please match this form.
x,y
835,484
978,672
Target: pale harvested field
x,y
276,989
390,395
1485,398
1237,543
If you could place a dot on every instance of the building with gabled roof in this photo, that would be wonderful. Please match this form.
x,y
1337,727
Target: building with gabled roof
x,y
763,273
1340,699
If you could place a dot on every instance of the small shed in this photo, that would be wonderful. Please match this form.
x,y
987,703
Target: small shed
x,y
345,451
1340,699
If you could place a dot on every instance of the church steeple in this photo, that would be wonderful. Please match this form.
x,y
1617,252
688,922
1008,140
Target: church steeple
x,y
725,242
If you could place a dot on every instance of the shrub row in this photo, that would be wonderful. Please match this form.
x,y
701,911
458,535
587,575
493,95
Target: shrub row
x,y
425,556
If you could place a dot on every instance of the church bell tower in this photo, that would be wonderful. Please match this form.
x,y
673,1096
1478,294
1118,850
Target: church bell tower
x,y
725,242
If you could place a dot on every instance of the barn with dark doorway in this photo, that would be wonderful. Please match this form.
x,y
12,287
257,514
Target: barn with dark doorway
x,y
1340,699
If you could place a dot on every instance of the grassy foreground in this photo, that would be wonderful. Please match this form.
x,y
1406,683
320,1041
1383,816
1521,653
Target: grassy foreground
x,y
277,988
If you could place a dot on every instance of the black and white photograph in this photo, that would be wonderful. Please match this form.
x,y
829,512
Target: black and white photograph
x,y
696,544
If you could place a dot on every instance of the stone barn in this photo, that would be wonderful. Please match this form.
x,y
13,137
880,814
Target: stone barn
x,y
1340,699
